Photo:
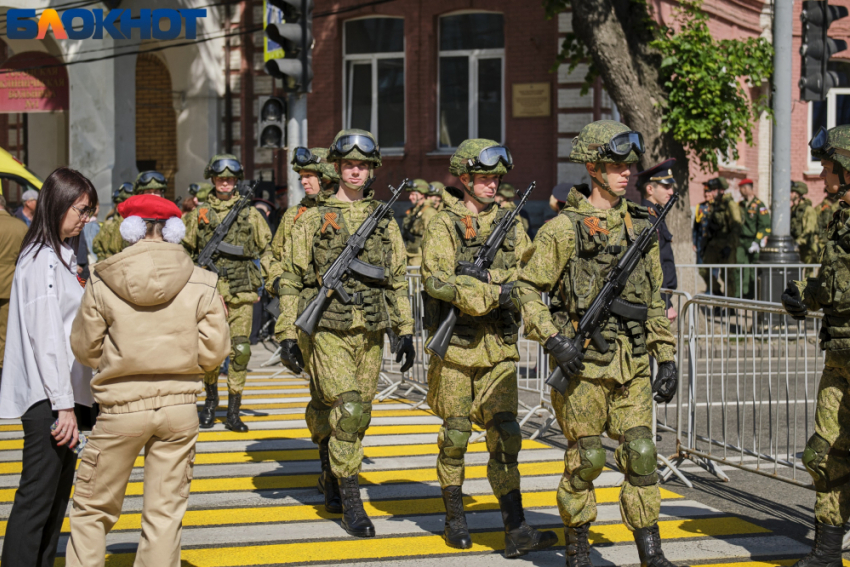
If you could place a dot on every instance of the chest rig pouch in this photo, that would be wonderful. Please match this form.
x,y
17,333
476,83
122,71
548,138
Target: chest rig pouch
x,y
597,251
367,293
237,252
832,287
468,327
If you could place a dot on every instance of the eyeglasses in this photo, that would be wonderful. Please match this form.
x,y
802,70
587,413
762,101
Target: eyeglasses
x,y
490,157
85,214
621,145
219,166
346,144
303,157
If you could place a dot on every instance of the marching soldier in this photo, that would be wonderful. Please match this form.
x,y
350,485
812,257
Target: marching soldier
x,y
238,281
108,241
804,224
436,195
416,219
611,391
348,343
476,382
724,228
827,453
755,228
505,199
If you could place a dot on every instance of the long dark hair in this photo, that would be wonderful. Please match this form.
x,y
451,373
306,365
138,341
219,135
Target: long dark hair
x,y
60,190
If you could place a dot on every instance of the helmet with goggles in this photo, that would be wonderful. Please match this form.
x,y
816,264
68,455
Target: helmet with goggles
x,y
480,156
607,141
357,145
418,186
124,192
834,145
315,160
149,180
223,165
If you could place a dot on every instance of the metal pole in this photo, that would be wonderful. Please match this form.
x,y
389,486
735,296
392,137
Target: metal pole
x,y
296,135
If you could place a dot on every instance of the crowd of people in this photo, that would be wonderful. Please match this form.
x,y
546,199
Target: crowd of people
x,y
136,316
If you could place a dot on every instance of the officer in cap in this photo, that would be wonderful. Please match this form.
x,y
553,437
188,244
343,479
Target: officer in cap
x,y
699,235
804,224
754,231
416,219
657,186
724,229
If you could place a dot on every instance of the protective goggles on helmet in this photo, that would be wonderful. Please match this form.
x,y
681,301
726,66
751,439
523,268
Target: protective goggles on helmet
x,y
149,176
304,157
218,166
193,189
346,144
821,148
622,145
490,157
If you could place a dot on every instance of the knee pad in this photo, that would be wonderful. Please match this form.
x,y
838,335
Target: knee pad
x,y
817,449
456,434
592,455
641,457
507,438
241,353
352,417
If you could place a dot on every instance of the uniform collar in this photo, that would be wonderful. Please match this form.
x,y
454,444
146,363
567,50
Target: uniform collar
x,y
579,203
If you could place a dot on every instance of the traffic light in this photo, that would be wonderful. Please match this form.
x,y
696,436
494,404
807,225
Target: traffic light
x,y
295,36
271,123
816,79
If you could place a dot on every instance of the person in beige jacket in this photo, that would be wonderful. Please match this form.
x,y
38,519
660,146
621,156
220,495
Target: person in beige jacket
x,y
151,323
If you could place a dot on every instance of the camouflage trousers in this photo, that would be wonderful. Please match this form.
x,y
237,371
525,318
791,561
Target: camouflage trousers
x,y
832,422
342,361
239,318
590,407
477,394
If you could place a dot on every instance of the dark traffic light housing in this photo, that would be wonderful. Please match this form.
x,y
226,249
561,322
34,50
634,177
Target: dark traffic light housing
x,y
295,36
816,79
271,122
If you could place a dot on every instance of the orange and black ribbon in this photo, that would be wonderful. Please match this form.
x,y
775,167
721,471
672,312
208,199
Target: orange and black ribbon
x,y
330,219
300,212
470,229
594,227
202,216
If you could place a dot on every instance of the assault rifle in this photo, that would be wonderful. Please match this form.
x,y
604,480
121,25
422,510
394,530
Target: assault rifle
x,y
216,245
439,342
347,263
608,302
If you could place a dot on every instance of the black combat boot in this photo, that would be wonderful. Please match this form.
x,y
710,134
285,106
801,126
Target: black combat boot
x,y
520,538
354,518
234,422
827,549
648,542
578,546
456,533
328,484
206,417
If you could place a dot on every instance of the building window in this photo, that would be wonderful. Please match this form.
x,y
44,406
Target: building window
x,y
471,78
373,81
834,111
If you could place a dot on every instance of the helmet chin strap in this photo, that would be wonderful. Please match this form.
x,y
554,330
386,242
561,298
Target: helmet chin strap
x,y
604,184
471,192
843,185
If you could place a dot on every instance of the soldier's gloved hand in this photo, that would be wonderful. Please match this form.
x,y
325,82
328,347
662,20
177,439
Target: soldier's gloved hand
x,y
666,382
793,303
290,355
276,287
471,270
754,248
568,357
406,351
505,296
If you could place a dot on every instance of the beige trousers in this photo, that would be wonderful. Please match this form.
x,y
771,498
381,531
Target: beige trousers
x,y
168,436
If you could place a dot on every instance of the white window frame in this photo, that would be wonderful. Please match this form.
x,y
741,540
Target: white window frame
x,y
814,167
372,58
474,55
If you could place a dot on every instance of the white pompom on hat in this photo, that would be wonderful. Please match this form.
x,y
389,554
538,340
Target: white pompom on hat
x,y
153,208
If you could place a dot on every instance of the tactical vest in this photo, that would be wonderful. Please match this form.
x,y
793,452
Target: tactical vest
x,y
241,273
797,214
834,289
368,295
467,326
584,276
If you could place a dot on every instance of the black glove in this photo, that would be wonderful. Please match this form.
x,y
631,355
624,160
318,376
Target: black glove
x,y
566,354
290,355
505,296
276,287
666,382
406,351
793,303
471,270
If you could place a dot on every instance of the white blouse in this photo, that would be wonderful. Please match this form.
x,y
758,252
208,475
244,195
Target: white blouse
x,y
38,363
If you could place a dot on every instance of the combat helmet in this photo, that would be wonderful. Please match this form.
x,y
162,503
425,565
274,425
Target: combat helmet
x,y
124,192
507,191
799,187
834,145
418,186
479,155
315,160
607,141
147,180
355,144
437,187
223,165
201,191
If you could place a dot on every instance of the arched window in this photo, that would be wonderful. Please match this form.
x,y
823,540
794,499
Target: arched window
x,y
472,78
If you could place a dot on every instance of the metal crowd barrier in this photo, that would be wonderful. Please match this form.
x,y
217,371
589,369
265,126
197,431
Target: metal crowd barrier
x,y
723,279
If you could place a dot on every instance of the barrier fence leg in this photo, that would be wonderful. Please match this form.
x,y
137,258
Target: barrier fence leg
x,y
709,466
274,359
671,469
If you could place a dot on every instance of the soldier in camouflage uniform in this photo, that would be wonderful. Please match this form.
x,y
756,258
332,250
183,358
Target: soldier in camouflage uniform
x,y
108,241
755,228
610,392
476,382
826,455
826,210
348,343
435,195
721,246
804,224
416,219
505,199
239,278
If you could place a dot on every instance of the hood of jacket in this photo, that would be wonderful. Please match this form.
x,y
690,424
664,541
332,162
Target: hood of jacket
x,y
147,273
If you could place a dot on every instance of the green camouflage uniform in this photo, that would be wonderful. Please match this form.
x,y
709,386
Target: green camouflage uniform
x,y
826,210
804,226
724,228
108,241
415,220
482,352
756,225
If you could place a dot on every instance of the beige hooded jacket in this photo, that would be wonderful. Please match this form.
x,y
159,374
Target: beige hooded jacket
x,y
151,323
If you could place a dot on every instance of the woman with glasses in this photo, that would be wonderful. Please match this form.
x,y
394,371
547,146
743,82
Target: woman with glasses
x,y
42,381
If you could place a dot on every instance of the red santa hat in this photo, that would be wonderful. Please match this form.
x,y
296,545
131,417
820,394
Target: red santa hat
x,y
152,208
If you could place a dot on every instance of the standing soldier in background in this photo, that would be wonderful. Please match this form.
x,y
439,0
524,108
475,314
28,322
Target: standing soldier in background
x,y
505,198
476,382
238,281
826,211
12,233
826,456
348,343
700,230
108,241
416,219
754,232
804,224
611,391
721,247
435,195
